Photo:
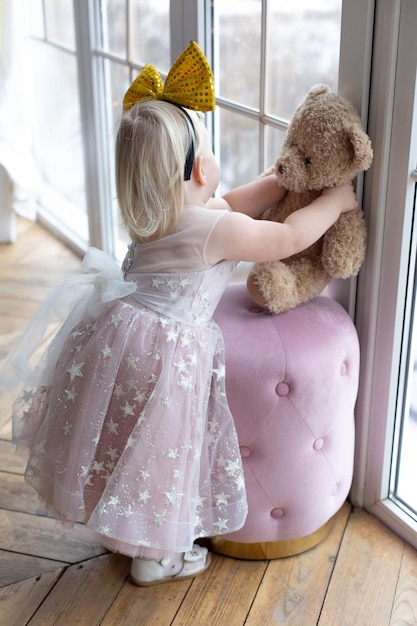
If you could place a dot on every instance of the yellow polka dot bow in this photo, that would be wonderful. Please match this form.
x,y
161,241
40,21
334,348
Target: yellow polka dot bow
x,y
189,83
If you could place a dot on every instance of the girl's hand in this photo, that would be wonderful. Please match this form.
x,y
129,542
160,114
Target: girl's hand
x,y
343,196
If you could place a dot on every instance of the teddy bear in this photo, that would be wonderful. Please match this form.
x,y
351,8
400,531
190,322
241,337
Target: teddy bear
x,y
325,145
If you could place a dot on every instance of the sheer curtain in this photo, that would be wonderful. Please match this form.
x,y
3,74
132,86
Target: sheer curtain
x,y
20,183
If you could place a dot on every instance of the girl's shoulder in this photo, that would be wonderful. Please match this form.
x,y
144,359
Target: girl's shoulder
x,y
199,219
204,213
184,248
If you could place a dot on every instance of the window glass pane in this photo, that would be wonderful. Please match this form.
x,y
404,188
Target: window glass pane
x,y
405,489
149,33
404,467
238,34
59,17
239,141
303,42
34,18
116,82
266,63
112,27
57,140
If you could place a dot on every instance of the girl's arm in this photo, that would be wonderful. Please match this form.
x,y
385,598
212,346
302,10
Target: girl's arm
x,y
251,199
239,237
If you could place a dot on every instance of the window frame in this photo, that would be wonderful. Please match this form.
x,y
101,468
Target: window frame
x,y
97,167
382,284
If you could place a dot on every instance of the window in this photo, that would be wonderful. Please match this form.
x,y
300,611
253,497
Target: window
x,y
56,114
265,55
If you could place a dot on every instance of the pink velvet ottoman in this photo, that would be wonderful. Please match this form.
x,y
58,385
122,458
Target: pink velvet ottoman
x,y
291,382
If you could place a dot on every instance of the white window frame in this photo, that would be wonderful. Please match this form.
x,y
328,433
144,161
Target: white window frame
x,y
389,192
96,165
354,81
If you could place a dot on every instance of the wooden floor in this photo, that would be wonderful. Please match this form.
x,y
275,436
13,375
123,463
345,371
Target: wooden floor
x,y
361,575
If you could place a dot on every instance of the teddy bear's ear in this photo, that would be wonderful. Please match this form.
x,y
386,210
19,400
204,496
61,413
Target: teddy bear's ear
x,y
318,90
362,148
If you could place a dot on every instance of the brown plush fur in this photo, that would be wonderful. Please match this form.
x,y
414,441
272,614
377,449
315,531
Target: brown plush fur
x,y
325,145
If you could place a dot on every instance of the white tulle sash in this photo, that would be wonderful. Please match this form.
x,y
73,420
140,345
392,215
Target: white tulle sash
x,y
75,299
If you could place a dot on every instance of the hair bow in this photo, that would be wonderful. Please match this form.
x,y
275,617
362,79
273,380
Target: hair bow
x,y
189,83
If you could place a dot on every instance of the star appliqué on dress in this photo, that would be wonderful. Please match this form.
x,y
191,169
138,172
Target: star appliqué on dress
x,y
106,351
232,467
220,371
221,499
112,453
159,519
132,361
185,383
128,410
144,496
221,524
75,370
71,394
112,427
173,497
115,320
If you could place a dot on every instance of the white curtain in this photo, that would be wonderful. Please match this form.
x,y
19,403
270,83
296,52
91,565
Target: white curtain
x,y
20,183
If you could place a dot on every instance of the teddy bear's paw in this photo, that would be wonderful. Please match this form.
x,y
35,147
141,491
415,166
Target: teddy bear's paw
x,y
310,276
343,259
273,287
344,245
255,292
342,268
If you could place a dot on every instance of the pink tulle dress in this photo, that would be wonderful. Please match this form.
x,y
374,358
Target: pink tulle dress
x,y
126,416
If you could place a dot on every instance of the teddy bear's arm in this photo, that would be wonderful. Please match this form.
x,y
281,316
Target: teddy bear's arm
x,y
344,245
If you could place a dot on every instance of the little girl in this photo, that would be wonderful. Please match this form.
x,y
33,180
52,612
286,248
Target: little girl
x,y
126,416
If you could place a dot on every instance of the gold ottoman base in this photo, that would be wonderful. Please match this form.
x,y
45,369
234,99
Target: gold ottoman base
x,y
270,549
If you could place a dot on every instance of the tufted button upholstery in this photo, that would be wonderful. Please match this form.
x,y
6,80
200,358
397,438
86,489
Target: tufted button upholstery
x,y
245,452
282,389
291,382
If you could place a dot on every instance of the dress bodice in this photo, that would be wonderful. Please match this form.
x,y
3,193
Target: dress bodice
x,y
172,273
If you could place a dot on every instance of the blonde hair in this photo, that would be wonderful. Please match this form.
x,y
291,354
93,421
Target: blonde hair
x,y
151,148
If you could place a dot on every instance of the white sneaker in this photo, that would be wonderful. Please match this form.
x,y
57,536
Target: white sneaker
x,y
145,572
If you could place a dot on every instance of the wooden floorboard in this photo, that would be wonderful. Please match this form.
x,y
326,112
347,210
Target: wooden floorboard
x,y
295,588
360,575
85,592
365,579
